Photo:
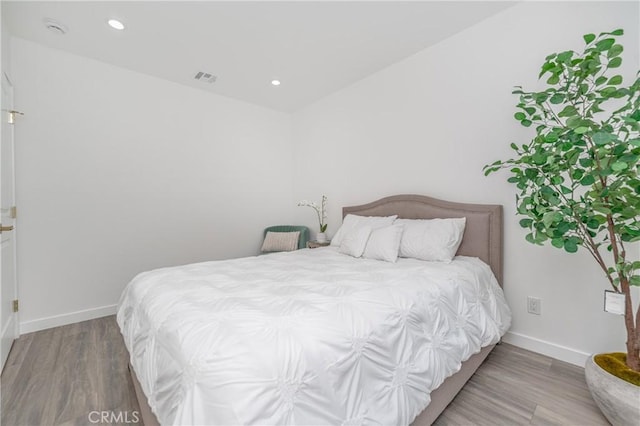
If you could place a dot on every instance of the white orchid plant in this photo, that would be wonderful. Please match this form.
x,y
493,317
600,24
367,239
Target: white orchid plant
x,y
321,211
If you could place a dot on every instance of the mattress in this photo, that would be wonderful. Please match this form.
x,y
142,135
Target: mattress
x,y
307,337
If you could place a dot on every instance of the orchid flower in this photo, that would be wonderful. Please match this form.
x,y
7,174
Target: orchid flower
x,y
320,211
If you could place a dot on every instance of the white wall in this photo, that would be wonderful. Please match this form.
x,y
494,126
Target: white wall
x,y
428,124
119,172
4,44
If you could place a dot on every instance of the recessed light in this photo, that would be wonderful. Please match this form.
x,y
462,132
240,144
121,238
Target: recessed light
x,y
114,23
275,82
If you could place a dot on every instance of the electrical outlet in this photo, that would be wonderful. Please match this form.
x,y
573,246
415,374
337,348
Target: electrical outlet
x,y
534,305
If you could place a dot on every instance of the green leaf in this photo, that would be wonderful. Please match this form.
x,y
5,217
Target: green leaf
x,y
616,79
546,67
576,121
605,44
601,219
601,80
586,162
547,219
617,32
540,97
519,116
577,174
563,227
615,62
588,38
526,223
540,157
570,246
554,79
557,180
593,223
583,89
620,93
558,98
615,50
602,138
587,180
564,56
634,280
529,238
581,130
568,111
628,213
619,166
602,209
526,123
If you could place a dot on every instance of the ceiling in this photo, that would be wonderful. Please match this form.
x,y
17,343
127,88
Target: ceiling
x,y
313,48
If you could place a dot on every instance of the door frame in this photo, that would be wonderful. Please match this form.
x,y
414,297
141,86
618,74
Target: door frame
x,y
6,82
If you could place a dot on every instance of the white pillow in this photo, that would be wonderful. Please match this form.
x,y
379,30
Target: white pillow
x,y
280,241
352,221
354,242
431,239
384,243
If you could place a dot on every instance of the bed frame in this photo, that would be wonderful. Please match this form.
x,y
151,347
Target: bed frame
x,y
482,238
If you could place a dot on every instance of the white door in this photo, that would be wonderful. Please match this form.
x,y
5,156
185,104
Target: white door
x,y
8,285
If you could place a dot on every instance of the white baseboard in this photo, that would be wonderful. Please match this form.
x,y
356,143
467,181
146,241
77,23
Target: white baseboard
x,y
64,319
563,353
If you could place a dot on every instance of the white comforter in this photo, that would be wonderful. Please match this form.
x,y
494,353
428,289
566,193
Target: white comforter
x,y
311,337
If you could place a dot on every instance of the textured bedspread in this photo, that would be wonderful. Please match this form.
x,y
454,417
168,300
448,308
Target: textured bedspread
x,y
311,337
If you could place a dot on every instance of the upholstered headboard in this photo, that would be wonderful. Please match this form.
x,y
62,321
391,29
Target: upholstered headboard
x,y
483,231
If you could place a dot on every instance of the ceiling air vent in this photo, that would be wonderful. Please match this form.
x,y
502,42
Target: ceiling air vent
x,y
205,77
55,26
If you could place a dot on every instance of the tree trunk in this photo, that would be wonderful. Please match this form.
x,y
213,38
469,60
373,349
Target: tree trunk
x,y
633,354
633,345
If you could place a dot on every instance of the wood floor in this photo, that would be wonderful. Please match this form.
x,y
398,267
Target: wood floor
x,y
61,375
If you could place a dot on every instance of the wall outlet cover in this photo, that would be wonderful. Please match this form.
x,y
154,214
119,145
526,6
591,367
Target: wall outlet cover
x,y
534,305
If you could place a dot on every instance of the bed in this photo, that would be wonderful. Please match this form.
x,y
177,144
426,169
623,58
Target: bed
x,y
316,337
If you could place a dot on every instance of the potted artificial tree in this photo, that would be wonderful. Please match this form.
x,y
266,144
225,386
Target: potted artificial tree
x,y
579,187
